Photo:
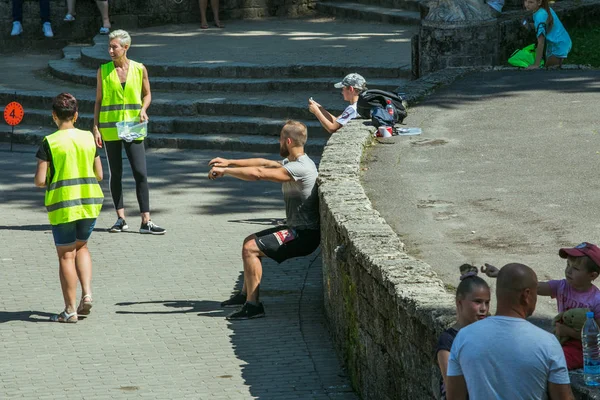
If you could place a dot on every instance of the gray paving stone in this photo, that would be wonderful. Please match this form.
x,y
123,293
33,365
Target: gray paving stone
x,y
156,329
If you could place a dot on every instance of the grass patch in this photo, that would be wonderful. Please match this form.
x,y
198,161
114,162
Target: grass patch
x,y
586,46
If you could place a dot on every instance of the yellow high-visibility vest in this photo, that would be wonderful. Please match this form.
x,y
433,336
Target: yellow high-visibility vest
x,y
119,104
73,193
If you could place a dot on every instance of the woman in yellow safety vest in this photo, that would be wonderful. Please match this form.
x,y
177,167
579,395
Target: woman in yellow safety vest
x,y
70,168
123,94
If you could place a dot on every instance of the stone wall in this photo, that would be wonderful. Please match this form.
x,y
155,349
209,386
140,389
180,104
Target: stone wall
x,y
489,43
127,14
385,309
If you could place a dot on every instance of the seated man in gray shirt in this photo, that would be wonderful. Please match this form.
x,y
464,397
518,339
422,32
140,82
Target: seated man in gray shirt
x,y
300,236
505,356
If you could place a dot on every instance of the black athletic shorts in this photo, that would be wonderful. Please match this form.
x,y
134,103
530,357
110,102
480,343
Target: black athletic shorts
x,y
282,242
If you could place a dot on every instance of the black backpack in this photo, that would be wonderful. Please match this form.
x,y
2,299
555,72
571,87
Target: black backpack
x,y
378,98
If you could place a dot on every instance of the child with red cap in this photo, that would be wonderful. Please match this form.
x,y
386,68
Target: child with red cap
x,y
576,291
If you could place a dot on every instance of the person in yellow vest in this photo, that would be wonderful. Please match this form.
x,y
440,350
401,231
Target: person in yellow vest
x,y
123,94
69,167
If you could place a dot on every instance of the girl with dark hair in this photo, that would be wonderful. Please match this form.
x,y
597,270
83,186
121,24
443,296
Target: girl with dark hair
x,y
472,305
69,167
551,35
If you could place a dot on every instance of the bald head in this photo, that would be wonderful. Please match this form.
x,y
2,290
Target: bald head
x,y
517,287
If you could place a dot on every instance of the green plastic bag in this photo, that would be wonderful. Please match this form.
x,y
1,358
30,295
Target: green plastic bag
x,y
524,58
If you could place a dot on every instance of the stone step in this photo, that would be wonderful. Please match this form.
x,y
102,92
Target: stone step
x,y
33,134
73,71
369,13
93,57
407,5
209,104
200,125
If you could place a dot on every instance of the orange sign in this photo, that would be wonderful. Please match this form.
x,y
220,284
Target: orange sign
x,y
13,113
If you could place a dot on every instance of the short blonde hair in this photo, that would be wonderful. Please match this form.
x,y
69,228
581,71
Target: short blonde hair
x,y
122,35
296,131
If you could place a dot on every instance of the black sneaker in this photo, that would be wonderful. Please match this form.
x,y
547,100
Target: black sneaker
x,y
249,311
236,300
152,228
119,226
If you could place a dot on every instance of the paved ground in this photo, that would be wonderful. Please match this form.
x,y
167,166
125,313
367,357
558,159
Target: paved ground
x,y
277,42
506,170
156,330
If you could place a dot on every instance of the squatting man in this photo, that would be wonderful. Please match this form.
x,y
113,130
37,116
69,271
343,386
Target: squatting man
x,y
299,237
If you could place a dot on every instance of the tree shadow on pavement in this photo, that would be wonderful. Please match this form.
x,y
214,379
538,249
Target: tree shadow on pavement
x,y
172,172
205,308
32,228
480,86
27,316
289,353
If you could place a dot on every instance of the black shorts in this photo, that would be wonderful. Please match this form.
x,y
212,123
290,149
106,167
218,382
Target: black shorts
x,y
282,242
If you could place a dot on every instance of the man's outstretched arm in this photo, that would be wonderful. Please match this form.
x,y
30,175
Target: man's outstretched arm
x,y
246,162
279,175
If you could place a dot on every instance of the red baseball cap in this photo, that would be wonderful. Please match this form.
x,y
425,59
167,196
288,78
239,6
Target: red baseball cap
x,y
582,249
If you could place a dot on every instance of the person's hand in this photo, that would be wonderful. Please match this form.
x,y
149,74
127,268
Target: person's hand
x,y
490,270
216,172
219,162
533,67
143,116
97,137
313,106
560,329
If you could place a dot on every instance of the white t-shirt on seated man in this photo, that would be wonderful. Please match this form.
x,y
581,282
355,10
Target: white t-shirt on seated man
x,y
506,357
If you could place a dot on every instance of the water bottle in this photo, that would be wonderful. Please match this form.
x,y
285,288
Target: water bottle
x,y
590,338
389,107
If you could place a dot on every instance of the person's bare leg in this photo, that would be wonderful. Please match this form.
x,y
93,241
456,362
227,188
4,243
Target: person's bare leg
x,y
203,5
251,255
83,265
214,4
121,213
103,8
145,217
554,62
68,275
71,7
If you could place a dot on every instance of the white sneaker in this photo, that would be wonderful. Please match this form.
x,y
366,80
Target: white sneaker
x,y
47,29
17,29
69,18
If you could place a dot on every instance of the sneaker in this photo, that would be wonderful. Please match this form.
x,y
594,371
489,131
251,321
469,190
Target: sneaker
x,y
17,29
249,311
69,18
151,227
238,299
47,29
119,226
104,31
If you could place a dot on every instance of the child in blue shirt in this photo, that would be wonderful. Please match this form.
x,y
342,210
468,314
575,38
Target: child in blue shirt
x,y
550,33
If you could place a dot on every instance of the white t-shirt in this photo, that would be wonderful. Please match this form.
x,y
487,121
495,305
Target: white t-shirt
x,y
348,114
507,358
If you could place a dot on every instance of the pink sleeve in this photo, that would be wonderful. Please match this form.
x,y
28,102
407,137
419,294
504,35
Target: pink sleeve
x,y
554,288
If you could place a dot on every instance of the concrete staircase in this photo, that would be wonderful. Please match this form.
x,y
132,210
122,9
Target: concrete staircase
x,y
387,11
230,105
